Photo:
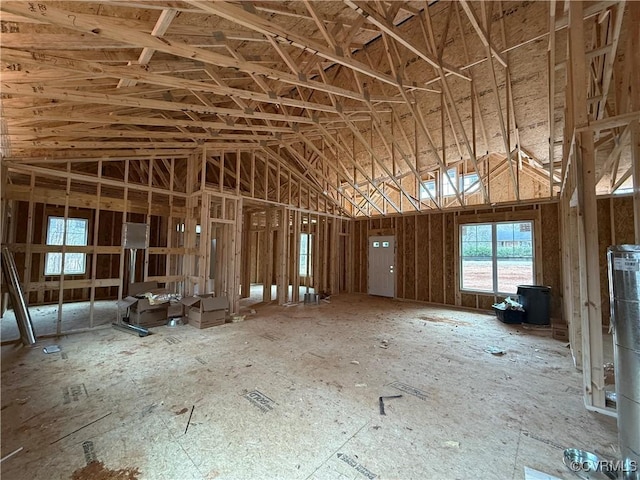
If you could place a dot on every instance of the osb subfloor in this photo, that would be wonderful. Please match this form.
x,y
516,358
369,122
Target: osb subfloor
x,y
293,393
76,315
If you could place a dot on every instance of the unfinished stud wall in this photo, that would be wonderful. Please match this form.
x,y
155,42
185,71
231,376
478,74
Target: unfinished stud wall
x,y
273,250
106,195
427,253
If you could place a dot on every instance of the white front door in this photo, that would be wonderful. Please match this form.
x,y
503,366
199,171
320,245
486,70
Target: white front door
x,y
381,266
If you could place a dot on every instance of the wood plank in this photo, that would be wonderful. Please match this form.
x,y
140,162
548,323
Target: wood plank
x,y
55,285
593,373
386,26
127,101
160,28
482,33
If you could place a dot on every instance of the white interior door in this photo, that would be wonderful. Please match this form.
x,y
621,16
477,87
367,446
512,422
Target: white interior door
x,y
381,266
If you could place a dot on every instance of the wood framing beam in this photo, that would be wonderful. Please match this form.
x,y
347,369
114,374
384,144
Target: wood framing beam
x,y
387,27
320,23
593,373
612,159
158,122
160,28
610,56
551,82
126,101
635,162
268,28
138,74
482,33
104,27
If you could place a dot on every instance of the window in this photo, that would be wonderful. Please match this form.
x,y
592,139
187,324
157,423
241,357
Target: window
x,y
430,189
469,183
74,233
305,254
496,257
447,186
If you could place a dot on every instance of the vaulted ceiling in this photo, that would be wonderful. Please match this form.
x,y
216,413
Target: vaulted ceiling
x,y
382,107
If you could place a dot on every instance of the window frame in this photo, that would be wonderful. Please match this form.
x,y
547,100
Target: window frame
x,y
64,243
473,183
448,188
431,188
518,217
308,254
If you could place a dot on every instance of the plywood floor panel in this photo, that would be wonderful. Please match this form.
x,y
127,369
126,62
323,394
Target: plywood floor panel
x,y
323,368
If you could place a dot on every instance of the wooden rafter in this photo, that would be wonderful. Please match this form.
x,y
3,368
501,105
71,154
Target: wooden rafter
x,y
161,26
364,100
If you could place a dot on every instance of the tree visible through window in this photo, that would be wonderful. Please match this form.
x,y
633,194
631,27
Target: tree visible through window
x,y
496,257
73,232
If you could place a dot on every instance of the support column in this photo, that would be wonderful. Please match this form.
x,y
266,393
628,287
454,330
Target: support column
x,y
592,349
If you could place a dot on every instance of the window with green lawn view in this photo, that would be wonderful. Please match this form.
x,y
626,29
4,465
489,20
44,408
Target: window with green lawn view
x,y
73,232
496,257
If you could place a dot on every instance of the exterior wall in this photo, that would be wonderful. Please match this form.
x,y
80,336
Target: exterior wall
x,y
427,251
427,254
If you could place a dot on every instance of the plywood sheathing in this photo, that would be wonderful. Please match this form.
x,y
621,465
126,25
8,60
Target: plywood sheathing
x,y
614,228
433,262
549,252
423,259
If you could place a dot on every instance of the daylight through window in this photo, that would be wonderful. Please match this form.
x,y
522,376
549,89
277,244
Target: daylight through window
x,y
305,254
75,234
496,257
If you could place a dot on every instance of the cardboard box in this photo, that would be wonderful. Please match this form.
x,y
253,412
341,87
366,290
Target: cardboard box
x,y
155,317
142,311
205,312
141,288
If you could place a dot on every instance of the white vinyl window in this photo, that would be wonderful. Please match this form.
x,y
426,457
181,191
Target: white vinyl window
x,y
73,232
447,186
430,189
305,254
469,183
496,257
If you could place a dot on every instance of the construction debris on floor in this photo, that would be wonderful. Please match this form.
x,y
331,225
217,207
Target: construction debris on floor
x,y
283,397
